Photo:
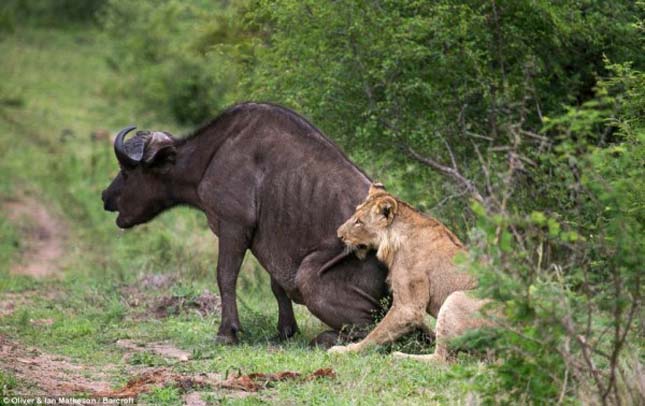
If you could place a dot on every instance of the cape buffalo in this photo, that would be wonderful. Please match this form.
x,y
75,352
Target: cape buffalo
x,y
268,181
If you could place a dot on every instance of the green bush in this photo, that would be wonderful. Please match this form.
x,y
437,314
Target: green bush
x,y
400,76
570,280
406,71
163,50
51,12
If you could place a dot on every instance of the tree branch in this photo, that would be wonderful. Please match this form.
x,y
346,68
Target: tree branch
x,y
452,172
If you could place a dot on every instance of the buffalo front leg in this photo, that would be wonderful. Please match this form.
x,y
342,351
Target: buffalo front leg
x,y
287,325
232,247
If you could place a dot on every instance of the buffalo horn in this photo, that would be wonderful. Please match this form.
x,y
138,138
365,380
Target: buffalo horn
x,y
119,148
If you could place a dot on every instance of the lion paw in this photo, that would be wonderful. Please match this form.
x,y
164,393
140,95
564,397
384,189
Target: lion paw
x,y
342,349
338,349
400,355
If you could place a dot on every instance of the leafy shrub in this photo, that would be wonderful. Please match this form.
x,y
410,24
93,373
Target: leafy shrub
x,y
396,81
570,280
52,12
165,59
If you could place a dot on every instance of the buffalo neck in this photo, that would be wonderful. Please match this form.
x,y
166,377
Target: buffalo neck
x,y
192,159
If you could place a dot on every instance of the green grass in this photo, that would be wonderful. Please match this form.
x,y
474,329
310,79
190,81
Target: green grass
x,y
65,91
8,384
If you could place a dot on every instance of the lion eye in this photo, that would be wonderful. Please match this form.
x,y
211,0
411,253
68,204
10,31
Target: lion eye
x,y
358,222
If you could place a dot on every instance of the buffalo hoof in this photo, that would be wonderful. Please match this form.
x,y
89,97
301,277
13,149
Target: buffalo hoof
x,y
226,339
286,332
425,335
325,340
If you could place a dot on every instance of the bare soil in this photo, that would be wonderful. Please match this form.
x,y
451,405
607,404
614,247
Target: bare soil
x,y
10,301
43,237
149,297
50,374
239,384
204,304
165,350
193,399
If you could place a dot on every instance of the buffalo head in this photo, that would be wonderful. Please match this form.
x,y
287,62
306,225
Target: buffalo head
x,y
141,190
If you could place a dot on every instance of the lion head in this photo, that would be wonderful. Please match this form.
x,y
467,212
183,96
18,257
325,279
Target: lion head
x,y
368,226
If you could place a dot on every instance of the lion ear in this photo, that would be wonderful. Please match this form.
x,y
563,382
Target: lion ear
x,y
376,187
387,207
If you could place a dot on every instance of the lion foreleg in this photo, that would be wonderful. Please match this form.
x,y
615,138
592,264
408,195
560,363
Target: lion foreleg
x,y
410,299
398,321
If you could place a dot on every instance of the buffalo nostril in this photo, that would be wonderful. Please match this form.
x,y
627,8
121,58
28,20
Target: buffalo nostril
x,y
108,203
110,206
105,201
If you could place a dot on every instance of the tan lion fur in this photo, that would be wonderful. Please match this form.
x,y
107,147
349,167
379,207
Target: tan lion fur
x,y
419,252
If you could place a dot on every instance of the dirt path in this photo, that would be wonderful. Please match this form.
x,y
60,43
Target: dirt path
x,y
42,237
47,374
165,350
51,374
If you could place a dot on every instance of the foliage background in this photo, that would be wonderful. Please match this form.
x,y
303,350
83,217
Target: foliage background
x,y
518,124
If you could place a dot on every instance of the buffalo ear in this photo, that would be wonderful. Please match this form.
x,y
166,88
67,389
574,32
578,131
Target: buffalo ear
x,y
387,207
160,150
375,188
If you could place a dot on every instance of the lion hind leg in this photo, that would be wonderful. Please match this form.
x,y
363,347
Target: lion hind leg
x,y
458,314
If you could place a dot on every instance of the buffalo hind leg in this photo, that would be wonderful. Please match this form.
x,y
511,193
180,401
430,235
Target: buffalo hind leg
x,y
287,325
345,296
409,303
330,338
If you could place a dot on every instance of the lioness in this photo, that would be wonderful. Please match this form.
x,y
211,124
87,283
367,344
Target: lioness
x,y
419,252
